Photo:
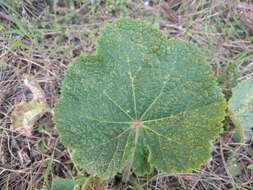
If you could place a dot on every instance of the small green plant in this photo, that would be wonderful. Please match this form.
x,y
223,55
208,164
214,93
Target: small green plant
x,y
142,101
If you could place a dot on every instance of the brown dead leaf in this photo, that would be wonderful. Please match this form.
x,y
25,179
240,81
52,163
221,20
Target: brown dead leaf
x,y
26,114
94,183
35,88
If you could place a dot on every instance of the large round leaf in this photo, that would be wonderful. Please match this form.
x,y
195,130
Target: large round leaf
x,y
141,101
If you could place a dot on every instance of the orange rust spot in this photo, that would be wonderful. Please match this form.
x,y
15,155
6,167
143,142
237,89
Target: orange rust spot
x,y
136,124
189,125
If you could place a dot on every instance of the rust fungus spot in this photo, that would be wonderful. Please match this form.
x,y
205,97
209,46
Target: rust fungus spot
x,y
136,124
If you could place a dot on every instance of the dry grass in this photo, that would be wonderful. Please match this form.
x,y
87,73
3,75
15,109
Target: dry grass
x,y
40,40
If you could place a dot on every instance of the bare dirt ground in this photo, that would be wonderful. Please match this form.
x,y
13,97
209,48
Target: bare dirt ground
x,y
39,38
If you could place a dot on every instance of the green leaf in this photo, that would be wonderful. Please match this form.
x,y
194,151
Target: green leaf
x,y
80,182
250,167
233,165
237,134
241,105
40,146
141,101
63,184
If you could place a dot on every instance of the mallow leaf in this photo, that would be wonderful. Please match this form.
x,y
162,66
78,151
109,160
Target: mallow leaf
x,y
241,105
142,101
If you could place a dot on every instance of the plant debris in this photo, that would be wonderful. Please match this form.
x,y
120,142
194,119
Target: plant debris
x,y
26,114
